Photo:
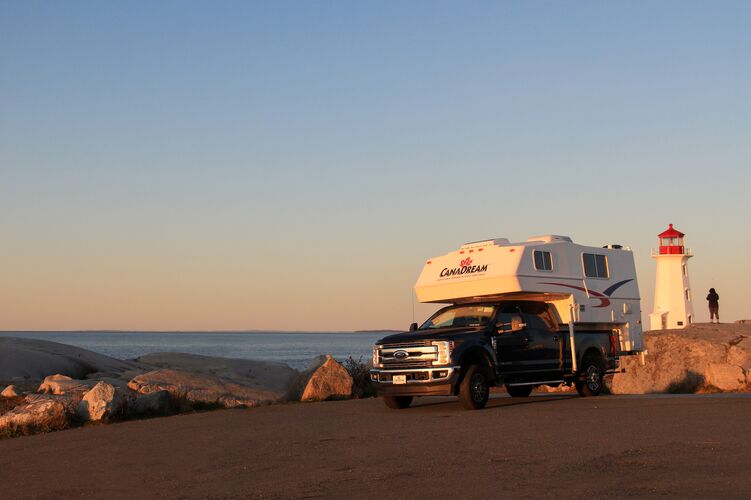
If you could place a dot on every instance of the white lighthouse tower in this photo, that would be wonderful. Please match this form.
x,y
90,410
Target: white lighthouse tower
x,y
673,307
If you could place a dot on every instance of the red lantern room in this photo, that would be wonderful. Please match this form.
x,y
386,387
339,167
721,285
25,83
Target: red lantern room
x,y
671,241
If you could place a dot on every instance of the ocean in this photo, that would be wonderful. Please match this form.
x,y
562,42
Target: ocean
x,y
296,349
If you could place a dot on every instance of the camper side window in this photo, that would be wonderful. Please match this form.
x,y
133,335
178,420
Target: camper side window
x,y
543,261
595,265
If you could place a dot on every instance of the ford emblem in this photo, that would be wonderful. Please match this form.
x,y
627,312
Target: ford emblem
x,y
401,354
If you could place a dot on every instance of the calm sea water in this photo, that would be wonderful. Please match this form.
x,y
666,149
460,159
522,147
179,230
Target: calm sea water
x,y
295,349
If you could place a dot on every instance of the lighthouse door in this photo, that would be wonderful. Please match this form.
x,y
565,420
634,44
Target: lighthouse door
x,y
664,319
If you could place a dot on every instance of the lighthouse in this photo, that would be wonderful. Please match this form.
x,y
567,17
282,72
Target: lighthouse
x,y
673,307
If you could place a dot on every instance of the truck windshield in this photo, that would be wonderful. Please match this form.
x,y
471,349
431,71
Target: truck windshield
x,y
457,316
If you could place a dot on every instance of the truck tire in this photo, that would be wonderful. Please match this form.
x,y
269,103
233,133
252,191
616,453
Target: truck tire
x,y
474,389
593,371
397,402
518,391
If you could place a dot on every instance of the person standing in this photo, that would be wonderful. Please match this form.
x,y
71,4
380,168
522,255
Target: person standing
x,y
714,306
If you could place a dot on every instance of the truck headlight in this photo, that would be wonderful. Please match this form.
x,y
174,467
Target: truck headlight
x,y
444,352
376,356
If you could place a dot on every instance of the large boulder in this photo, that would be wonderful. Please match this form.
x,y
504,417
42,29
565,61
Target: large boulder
x,y
103,402
42,414
324,379
200,389
26,358
62,384
262,375
695,359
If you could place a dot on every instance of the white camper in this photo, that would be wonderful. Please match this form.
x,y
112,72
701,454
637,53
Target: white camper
x,y
587,286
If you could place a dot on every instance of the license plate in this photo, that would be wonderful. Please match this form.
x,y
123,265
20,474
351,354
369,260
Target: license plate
x,y
399,379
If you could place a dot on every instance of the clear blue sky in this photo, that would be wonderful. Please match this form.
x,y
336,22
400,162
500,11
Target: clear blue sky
x,y
291,165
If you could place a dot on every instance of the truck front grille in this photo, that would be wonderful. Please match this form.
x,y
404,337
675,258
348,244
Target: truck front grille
x,y
402,345
406,355
406,365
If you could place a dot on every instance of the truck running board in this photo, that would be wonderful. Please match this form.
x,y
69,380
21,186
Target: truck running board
x,y
543,382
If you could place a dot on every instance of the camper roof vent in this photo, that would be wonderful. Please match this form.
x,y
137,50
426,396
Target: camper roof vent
x,y
613,246
485,243
550,238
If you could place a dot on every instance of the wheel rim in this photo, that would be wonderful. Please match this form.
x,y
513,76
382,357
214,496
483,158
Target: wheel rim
x,y
478,388
593,377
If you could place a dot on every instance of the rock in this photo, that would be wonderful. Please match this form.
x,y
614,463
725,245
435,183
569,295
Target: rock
x,y
262,375
39,415
102,375
554,389
724,377
11,392
688,360
27,358
736,355
69,401
62,384
324,379
153,403
201,389
103,402
26,385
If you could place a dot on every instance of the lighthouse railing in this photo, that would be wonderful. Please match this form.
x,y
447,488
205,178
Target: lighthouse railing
x,y
686,251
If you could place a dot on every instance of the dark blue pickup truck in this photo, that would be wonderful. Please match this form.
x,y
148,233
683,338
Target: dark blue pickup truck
x,y
464,349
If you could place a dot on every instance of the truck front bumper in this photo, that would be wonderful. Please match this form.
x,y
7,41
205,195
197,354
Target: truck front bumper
x,y
436,381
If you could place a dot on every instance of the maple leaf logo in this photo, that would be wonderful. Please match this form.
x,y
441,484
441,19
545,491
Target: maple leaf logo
x,y
466,262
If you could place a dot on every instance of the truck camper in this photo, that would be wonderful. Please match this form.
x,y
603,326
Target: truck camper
x,y
546,311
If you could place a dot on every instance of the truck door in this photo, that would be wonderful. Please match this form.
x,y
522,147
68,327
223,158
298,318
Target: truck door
x,y
511,342
544,345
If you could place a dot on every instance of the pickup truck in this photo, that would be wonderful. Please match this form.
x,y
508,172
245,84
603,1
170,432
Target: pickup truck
x,y
464,349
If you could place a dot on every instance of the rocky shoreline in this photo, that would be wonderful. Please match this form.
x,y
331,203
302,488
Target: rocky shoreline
x,y
701,358
49,386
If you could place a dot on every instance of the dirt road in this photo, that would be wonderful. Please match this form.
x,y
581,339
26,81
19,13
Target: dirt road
x,y
543,446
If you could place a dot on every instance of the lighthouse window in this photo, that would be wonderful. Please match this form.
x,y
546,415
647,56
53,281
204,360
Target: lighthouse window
x,y
543,261
595,265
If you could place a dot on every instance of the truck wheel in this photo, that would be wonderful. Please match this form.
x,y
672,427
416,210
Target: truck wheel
x,y
474,389
518,391
593,370
397,402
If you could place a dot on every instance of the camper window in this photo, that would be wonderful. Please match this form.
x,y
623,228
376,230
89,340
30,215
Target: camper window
x,y
543,261
595,265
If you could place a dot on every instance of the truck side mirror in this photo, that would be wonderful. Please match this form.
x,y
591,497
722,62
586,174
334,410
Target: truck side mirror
x,y
517,324
502,327
413,327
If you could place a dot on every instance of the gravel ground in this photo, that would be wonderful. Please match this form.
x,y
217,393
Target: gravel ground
x,y
545,446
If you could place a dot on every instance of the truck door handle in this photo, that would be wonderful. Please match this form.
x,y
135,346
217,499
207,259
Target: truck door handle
x,y
555,337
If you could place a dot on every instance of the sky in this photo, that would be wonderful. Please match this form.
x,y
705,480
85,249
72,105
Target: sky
x,y
291,165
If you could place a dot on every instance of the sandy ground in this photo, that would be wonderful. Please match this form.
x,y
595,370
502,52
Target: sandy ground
x,y
687,446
